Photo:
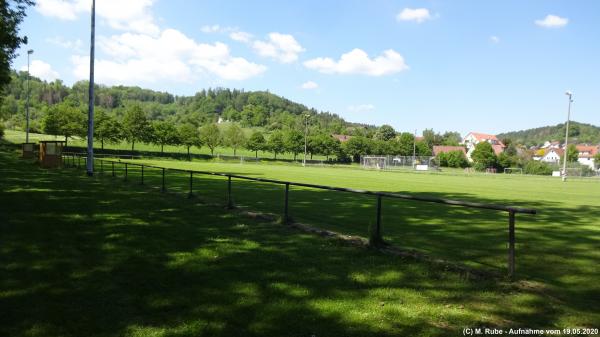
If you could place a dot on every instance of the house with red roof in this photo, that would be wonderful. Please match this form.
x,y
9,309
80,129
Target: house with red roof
x,y
474,138
552,155
586,153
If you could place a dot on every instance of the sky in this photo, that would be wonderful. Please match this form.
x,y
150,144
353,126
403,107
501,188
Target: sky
x,y
485,66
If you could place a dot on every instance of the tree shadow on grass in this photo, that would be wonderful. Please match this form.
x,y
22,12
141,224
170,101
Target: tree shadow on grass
x,y
85,256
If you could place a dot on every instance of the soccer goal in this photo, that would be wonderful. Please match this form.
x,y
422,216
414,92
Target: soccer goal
x,y
374,162
513,170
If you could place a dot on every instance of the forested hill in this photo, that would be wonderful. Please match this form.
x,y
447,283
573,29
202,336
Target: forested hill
x,y
250,109
578,133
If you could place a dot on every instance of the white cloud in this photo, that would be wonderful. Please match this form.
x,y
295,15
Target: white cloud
x,y
67,44
241,36
358,62
309,85
282,47
130,15
417,14
494,39
42,70
361,108
552,21
169,57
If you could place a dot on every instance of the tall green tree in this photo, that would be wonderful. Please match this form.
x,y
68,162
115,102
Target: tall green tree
x,y
165,133
189,136
210,136
294,142
136,127
234,137
406,144
64,120
107,129
276,143
572,153
385,132
356,147
256,142
12,13
483,156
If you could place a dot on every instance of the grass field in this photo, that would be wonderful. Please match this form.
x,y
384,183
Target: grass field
x,y
18,137
557,249
101,256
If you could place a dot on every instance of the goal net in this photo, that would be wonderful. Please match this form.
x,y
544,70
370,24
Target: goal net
x,y
513,170
374,162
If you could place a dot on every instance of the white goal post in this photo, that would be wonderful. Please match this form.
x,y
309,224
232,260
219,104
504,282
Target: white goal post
x,y
513,170
374,162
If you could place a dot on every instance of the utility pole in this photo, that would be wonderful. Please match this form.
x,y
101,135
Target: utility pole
x,y
414,148
90,143
564,175
29,52
306,116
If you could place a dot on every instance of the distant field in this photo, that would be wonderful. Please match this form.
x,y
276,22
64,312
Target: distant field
x,y
18,137
558,249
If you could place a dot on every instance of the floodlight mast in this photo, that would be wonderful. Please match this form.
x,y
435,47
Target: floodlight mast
x,y
564,173
90,135
29,52
306,117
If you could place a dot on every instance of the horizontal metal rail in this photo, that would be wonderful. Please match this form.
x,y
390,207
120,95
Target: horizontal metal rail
x,y
352,190
376,236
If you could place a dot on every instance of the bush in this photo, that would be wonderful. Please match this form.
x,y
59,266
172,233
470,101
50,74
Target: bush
x,y
452,159
1,130
537,167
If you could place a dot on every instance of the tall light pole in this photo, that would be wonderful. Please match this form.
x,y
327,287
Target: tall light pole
x,y
414,148
306,117
29,52
564,175
90,135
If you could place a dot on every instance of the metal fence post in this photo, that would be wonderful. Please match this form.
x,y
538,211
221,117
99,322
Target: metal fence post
x,y
101,166
142,182
191,179
78,162
375,237
125,178
229,199
511,244
113,168
285,207
163,189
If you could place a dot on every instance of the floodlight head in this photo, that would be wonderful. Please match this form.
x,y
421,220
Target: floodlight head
x,y
568,93
30,51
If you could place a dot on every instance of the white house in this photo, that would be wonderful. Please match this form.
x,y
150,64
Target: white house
x,y
474,138
585,155
552,156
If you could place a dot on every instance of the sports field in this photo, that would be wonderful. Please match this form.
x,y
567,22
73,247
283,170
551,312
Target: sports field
x,y
558,249
104,256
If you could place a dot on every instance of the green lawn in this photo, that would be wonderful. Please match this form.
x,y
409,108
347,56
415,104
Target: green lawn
x,y
18,137
106,257
557,249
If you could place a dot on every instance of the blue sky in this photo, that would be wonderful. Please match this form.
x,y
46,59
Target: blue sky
x,y
487,66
